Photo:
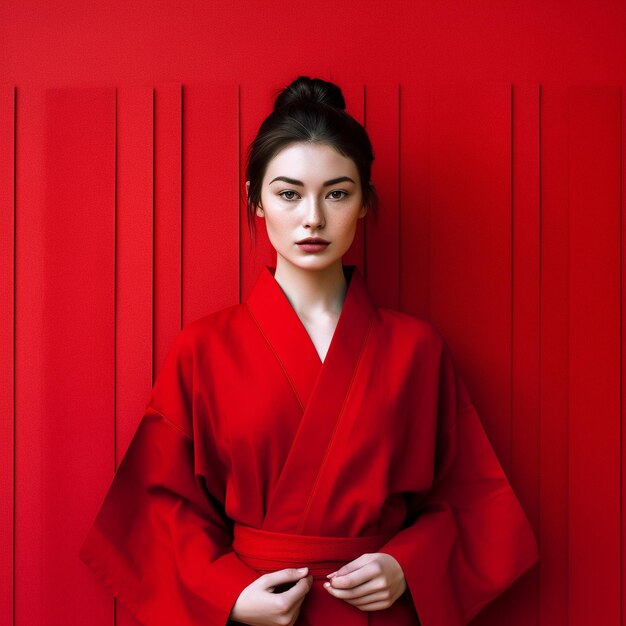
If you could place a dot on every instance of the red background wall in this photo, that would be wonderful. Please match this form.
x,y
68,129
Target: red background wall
x,y
498,136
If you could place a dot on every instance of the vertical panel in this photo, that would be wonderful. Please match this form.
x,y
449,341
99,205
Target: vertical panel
x,y
471,243
594,384
210,199
133,271
29,362
167,218
554,358
256,102
415,187
471,252
354,95
382,236
623,351
64,347
7,373
525,337
133,293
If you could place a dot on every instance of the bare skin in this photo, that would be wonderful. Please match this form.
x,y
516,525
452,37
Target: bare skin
x,y
258,605
370,583
315,285
319,319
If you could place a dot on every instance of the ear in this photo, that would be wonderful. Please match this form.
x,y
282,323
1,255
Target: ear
x,y
259,209
364,208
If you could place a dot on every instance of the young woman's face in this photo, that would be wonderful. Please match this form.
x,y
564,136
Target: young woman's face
x,y
311,191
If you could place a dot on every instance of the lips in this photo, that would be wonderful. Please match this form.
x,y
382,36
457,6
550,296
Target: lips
x,y
314,240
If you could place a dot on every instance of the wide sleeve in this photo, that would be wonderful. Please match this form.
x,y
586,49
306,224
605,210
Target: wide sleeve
x,y
161,541
469,538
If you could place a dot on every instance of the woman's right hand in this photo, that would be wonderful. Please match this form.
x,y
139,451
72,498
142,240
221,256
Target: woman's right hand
x,y
258,605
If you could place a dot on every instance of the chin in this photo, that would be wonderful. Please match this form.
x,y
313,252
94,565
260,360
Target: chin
x,y
313,262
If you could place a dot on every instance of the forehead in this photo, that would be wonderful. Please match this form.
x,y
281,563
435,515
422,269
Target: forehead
x,y
310,162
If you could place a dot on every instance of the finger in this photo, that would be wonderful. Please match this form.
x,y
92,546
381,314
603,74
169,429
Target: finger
x,y
375,606
367,588
351,566
356,577
281,576
378,596
297,593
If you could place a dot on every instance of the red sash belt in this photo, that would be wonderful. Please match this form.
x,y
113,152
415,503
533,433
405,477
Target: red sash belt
x,y
267,551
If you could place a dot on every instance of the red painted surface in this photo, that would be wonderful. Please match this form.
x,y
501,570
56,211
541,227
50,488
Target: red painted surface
x,y
7,344
123,130
147,41
594,355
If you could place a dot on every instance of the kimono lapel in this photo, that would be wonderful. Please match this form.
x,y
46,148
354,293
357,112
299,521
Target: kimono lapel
x,y
321,387
285,334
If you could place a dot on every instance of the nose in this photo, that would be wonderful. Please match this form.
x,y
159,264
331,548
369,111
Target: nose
x,y
313,214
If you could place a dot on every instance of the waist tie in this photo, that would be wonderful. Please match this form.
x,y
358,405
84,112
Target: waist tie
x,y
267,551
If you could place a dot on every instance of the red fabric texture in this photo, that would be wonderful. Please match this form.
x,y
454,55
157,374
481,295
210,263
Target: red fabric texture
x,y
267,552
249,441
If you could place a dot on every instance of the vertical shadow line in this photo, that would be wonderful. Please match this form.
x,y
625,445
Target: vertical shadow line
x,y
621,344
512,318
364,98
239,194
13,556
115,302
399,208
539,352
182,204
154,204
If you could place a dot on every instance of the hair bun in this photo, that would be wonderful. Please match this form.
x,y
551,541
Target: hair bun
x,y
310,90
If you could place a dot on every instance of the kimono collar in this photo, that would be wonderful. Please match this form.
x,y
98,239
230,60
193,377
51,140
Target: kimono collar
x,y
289,339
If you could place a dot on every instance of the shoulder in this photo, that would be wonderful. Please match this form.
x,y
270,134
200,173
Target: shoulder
x,y
415,330
426,344
214,326
215,321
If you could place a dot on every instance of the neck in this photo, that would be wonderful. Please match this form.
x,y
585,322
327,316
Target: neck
x,y
312,292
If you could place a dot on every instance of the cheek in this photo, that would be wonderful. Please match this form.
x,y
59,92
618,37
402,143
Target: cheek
x,y
349,223
279,224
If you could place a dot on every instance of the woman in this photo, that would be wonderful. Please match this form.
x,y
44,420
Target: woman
x,y
307,457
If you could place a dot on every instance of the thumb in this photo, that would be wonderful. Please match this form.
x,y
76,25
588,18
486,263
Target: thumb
x,y
282,576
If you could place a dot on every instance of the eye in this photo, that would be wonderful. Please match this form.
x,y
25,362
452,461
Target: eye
x,y
338,191
288,197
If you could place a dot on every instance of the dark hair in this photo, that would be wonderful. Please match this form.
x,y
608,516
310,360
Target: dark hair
x,y
309,110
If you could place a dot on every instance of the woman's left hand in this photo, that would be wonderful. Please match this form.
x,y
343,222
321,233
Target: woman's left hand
x,y
370,583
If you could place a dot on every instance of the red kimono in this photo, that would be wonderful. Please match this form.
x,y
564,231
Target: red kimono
x,y
254,455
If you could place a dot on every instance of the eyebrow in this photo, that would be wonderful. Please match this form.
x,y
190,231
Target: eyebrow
x,y
293,181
